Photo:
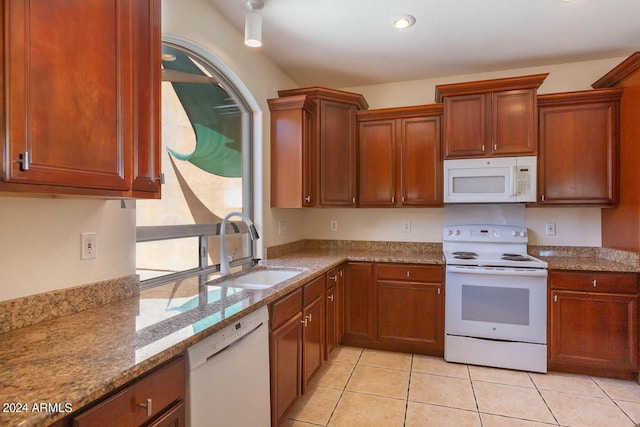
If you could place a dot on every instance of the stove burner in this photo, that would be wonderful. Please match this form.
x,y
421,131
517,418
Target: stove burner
x,y
465,255
515,257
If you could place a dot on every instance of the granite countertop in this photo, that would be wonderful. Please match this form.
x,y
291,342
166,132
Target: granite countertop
x,y
76,359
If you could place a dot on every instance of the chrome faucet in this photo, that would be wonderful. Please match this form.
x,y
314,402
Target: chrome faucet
x,y
224,258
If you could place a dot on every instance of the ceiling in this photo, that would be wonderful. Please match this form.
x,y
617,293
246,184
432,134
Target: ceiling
x,y
345,43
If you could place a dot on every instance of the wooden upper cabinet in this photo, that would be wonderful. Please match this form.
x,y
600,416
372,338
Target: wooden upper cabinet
x,y
399,157
334,124
490,117
293,158
578,161
81,107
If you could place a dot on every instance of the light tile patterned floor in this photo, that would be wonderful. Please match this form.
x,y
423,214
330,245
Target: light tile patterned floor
x,y
359,387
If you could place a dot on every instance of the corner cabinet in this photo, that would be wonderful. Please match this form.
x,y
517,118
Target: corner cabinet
x,y
593,320
81,108
490,117
399,157
578,162
333,145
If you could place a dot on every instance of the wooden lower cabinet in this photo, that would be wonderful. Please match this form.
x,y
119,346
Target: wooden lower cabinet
x,y
593,323
334,310
164,388
396,307
296,345
358,303
410,308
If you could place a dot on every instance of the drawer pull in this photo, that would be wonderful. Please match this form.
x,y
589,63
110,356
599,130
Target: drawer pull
x,y
330,297
408,273
555,298
148,406
594,282
334,278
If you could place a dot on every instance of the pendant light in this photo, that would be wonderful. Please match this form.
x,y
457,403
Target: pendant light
x,y
253,24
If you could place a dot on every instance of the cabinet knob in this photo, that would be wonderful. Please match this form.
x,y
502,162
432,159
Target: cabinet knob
x,y
148,406
330,297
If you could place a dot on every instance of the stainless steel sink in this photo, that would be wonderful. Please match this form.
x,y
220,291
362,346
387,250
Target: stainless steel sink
x,y
257,279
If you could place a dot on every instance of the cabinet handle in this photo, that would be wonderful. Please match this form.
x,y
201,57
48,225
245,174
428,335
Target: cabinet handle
x,y
594,282
341,272
334,278
542,198
148,406
408,273
305,320
495,147
483,148
438,291
555,298
24,161
309,317
160,178
403,199
307,199
330,297
393,199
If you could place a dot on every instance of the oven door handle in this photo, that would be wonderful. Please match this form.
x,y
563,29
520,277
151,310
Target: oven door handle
x,y
497,271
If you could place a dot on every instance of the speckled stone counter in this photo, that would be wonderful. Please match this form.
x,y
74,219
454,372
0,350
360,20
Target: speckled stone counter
x,y
76,359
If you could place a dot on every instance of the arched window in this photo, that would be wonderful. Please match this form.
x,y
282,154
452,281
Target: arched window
x,y
206,161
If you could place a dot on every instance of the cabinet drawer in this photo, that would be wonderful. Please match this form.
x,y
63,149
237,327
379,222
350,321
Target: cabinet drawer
x,y
285,308
313,290
626,283
161,388
414,273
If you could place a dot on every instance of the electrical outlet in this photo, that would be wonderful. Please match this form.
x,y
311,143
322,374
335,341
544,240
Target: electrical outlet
x,y
406,227
550,229
334,225
89,248
282,228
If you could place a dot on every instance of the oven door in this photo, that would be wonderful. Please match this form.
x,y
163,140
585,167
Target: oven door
x,y
498,303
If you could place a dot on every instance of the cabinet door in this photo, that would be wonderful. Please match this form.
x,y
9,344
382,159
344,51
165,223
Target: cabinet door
x,y
465,125
337,150
286,367
593,330
293,164
147,171
578,154
421,163
513,122
313,339
70,103
377,163
174,417
358,302
331,321
411,313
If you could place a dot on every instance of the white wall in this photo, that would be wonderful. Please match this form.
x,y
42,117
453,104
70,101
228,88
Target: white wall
x,y
40,243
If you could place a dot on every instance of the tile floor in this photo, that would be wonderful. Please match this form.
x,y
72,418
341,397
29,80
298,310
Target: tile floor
x,y
359,387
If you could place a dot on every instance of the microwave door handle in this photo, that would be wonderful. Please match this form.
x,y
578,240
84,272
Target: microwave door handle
x,y
514,181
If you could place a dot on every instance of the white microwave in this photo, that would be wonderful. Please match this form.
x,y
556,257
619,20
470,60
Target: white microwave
x,y
490,180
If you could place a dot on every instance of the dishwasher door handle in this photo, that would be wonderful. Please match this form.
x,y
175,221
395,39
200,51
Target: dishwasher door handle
x,y
235,342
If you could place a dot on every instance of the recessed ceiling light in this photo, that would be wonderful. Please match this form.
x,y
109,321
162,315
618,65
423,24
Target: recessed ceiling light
x,y
403,21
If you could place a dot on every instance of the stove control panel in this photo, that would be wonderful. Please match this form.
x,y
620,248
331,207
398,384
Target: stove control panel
x,y
485,233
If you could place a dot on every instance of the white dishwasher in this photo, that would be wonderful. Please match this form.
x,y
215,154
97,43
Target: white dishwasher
x,y
228,375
